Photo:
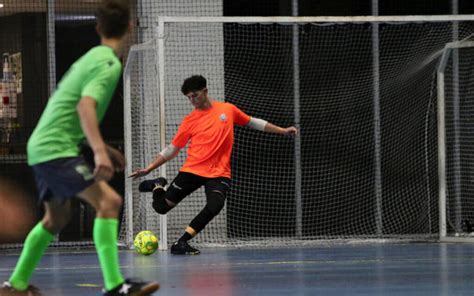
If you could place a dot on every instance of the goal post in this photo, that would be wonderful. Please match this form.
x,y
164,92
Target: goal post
x,y
366,163
455,89
144,122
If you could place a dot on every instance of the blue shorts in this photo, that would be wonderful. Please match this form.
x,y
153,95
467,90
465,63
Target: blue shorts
x,y
63,178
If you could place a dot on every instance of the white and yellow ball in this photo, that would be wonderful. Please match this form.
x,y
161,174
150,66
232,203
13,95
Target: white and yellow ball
x,y
145,242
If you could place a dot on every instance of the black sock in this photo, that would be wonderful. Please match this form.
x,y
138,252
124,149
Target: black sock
x,y
186,236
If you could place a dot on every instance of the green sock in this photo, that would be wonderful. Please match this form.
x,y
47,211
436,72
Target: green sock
x,y
105,238
36,242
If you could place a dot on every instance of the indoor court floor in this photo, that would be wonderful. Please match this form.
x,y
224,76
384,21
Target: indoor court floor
x,y
339,269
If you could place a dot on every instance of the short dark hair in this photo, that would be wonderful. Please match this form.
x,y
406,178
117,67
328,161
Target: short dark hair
x,y
193,83
113,17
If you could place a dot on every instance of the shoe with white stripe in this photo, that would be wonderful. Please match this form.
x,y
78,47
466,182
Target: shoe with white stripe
x,y
133,288
152,185
183,248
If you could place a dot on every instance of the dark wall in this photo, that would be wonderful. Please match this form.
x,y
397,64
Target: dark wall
x,y
25,33
72,41
257,7
414,7
334,8
343,7
35,68
10,29
466,7
423,7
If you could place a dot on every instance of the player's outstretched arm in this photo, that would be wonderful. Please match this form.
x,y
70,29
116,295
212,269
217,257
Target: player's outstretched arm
x,y
86,109
168,153
271,128
265,126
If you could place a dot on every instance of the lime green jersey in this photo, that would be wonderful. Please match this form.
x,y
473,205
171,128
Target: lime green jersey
x,y
59,133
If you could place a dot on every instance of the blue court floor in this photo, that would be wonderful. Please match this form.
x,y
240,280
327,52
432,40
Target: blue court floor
x,y
375,269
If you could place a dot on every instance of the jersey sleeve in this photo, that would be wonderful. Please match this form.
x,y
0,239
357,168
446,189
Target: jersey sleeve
x,y
182,135
102,83
240,118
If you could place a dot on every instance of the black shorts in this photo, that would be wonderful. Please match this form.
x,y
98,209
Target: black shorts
x,y
186,183
62,178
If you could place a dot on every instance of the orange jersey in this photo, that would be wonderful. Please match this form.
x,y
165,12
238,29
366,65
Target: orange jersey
x,y
210,134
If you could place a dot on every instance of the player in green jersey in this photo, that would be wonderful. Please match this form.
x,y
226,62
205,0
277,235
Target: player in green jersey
x,y
73,114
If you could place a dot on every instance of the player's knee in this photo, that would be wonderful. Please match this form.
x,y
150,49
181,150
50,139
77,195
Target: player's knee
x,y
57,216
55,223
111,202
215,202
162,205
116,202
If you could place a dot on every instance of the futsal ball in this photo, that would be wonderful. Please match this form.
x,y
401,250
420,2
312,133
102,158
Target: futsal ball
x,y
145,242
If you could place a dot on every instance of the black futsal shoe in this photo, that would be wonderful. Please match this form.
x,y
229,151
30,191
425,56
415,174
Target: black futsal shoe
x,y
151,185
133,288
183,248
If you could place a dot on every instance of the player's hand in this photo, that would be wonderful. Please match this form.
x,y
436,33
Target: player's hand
x,y
290,131
139,173
104,169
118,160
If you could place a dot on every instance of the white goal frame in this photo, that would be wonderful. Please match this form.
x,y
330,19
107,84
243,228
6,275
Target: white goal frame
x,y
449,51
158,42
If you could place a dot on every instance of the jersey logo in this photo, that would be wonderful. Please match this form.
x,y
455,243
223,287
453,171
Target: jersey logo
x,y
223,117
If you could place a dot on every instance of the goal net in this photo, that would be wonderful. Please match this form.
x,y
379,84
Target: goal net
x,y
362,92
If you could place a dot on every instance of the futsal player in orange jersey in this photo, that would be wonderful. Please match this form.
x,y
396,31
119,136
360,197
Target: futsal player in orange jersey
x,y
209,130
